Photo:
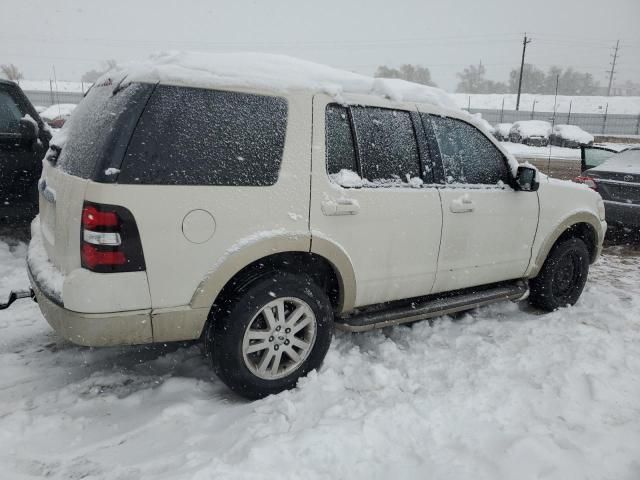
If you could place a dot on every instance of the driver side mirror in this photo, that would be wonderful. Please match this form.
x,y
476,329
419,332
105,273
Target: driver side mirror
x,y
526,179
28,130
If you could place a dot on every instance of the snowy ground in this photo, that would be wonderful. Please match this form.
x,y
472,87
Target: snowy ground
x,y
503,392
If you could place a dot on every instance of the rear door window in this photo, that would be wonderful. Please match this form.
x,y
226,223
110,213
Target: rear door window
x,y
192,136
387,145
341,152
468,156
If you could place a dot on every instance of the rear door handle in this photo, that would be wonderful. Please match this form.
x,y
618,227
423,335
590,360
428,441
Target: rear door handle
x,y
462,205
343,206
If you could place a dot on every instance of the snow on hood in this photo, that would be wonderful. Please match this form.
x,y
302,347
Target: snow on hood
x,y
573,133
272,72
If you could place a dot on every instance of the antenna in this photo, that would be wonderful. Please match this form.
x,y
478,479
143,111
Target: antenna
x,y
553,123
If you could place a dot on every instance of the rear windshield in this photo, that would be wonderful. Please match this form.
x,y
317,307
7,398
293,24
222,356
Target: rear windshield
x,y
99,129
194,136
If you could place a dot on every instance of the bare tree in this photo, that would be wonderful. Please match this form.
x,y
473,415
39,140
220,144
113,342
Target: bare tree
x,y
92,75
11,72
412,73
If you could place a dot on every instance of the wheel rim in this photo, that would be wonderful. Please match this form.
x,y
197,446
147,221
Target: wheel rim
x,y
566,275
279,338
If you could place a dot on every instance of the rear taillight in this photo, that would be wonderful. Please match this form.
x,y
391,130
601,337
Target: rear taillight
x,y
109,239
588,181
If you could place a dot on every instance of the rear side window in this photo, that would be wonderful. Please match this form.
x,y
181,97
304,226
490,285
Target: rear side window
x,y
467,155
387,144
100,127
191,136
341,153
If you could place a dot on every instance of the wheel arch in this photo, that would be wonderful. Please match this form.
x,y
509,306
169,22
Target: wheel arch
x,y
582,225
330,267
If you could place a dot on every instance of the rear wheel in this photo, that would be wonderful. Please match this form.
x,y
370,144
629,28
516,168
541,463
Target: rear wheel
x,y
562,277
269,335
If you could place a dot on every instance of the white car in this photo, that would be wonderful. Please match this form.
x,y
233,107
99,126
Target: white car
x,y
256,202
530,132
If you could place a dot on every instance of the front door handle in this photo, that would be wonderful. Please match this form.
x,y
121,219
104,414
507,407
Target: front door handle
x,y
462,205
342,206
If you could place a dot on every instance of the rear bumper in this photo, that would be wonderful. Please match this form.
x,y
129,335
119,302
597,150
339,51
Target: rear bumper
x,y
618,213
94,329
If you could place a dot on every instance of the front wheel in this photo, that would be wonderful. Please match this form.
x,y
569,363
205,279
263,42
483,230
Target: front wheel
x,y
562,277
271,334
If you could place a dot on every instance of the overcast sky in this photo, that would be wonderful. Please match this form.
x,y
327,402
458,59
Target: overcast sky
x,y
446,36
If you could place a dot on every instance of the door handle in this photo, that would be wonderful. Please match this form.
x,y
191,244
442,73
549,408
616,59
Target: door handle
x,y
462,205
343,206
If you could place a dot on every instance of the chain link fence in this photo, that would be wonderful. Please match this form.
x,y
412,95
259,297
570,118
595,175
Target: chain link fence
x,y
594,123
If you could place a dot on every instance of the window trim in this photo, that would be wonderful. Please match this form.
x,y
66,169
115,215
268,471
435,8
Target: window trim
x,y
418,133
435,145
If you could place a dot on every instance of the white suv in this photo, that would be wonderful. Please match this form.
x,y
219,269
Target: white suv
x,y
257,216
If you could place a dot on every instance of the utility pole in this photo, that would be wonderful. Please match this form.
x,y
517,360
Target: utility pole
x,y
613,68
524,49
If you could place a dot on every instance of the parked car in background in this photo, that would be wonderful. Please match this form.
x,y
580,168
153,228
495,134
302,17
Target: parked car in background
x,y
530,132
257,218
501,131
24,139
56,115
593,155
617,180
570,136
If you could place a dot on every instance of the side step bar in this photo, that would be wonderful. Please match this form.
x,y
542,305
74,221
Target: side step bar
x,y
434,306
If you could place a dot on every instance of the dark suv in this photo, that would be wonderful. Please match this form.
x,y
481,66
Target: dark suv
x,y
24,139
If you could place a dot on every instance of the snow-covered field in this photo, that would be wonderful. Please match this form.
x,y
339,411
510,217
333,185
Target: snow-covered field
x,y
545,103
499,393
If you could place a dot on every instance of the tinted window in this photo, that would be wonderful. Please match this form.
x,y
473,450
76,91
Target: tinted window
x,y
341,153
387,144
99,130
191,136
10,114
467,155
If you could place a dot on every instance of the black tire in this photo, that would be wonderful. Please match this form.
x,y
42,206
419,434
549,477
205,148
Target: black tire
x,y
230,321
562,277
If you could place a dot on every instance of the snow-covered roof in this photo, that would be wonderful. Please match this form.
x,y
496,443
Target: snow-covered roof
x,y
532,128
272,72
573,133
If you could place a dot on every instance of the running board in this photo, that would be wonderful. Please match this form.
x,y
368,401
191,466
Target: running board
x,y
430,307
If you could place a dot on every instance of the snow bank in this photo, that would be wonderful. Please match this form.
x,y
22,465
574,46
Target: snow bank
x,y
499,393
531,128
272,72
573,133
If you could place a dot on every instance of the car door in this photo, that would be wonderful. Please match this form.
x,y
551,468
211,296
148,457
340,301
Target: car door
x,y
368,198
20,155
488,227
